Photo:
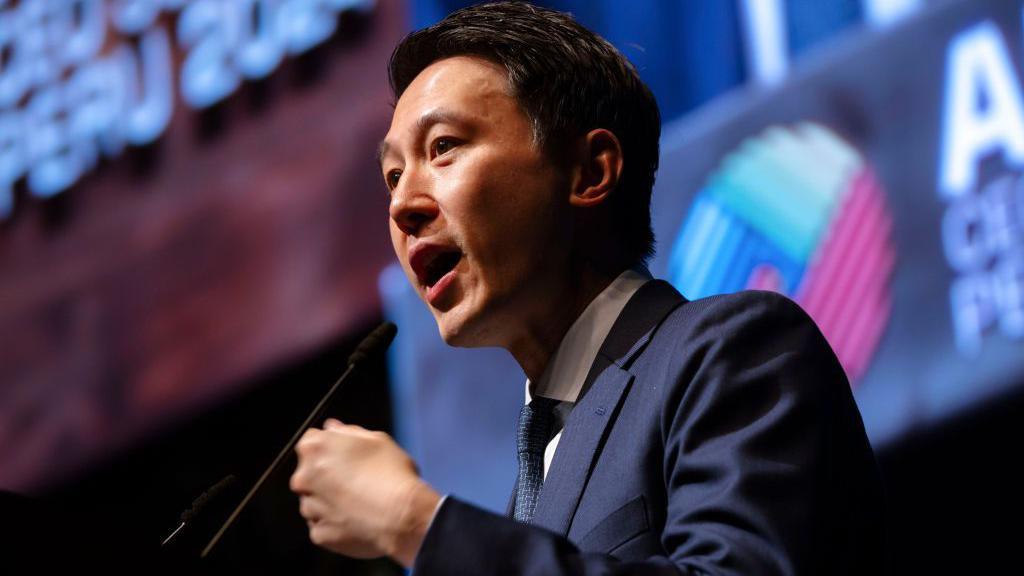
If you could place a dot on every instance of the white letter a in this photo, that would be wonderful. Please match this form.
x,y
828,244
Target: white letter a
x,y
983,111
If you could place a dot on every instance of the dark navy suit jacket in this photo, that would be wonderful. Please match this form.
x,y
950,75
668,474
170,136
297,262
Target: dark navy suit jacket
x,y
715,436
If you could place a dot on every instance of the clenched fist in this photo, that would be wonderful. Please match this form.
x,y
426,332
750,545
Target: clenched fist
x,y
360,493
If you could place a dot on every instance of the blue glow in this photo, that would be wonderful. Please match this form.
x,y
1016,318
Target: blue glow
x,y
95,97
134,16
54,166
65,102
14,80
152,99
960,238
261,48
978,69
768,47
86,35
306,23
207,76
983,238
715,252
12,161
1009,287
35,40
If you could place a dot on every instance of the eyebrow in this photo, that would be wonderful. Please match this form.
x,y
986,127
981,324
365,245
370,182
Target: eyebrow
x,y
424,123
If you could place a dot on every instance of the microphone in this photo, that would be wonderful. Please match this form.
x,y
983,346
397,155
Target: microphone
x,y
378,340
199,503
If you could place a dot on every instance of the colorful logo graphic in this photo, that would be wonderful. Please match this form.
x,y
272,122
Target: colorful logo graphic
x,y
796,210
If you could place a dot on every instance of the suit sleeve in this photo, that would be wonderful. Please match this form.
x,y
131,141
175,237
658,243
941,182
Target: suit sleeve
x,y
765,460
767,464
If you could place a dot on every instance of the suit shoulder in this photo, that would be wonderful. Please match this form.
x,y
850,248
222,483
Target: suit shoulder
x,y
738,331
745,346
726,313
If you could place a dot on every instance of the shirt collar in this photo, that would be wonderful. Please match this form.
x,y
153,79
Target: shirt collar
x,y
568,367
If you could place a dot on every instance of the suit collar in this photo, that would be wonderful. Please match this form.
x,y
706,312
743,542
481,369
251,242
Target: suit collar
x,y
635,326
567,369
604,390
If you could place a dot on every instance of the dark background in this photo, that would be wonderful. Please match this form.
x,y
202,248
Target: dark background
x,y
953,506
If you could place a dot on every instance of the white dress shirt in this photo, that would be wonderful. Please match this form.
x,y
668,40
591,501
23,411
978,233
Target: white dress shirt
x,y
567,369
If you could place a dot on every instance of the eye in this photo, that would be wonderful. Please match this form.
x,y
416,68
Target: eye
x,y
441,146
391,178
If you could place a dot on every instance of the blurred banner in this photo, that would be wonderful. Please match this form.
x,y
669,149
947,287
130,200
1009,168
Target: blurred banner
x,y
877,183
188,198
880,188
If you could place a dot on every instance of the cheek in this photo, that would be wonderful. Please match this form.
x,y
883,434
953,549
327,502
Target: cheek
x,y
502,203
398,242
396,236
514,245
503,206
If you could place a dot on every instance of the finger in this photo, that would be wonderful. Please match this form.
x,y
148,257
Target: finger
x,y
322,535
308,442
332,425
311,509
298,482
307,437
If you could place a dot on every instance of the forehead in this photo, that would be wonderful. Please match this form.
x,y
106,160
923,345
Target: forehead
x,y
467,87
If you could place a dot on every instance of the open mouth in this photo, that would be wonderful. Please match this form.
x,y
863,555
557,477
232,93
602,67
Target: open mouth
x,y
431,263
439,266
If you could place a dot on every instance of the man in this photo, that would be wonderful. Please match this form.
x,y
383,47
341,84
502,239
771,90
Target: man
x,y
662,436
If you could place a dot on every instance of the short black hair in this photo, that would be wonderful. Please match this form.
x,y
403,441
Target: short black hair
x,y
568,81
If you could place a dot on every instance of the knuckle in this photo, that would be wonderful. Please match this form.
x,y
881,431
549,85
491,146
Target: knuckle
x,y
308,443
297,482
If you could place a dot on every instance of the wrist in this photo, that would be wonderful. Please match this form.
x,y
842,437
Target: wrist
x,y
420,504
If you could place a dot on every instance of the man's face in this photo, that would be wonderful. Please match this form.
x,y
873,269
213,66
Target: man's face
x,y
479,217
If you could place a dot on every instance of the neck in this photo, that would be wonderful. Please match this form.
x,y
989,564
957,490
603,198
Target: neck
x,y
542,331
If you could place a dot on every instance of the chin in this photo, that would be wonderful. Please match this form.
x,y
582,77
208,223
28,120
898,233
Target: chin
x,y
457,330
453,334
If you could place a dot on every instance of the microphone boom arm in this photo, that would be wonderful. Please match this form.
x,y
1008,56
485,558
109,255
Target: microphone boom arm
x,y
378,339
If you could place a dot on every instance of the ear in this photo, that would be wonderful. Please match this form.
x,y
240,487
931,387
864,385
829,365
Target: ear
x,y
600,166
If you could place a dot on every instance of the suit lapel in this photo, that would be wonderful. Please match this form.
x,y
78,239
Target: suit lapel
x,y
579,446
603,392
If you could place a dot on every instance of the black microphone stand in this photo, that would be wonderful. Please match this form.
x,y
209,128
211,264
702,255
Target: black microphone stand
x,y
377,340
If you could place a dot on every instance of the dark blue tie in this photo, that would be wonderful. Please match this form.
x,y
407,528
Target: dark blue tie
x,y
535,423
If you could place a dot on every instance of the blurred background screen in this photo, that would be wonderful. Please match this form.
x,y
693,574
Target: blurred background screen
x,y
193,233
188,200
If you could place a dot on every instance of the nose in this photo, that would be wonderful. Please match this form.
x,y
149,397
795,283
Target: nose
x,y
412,206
